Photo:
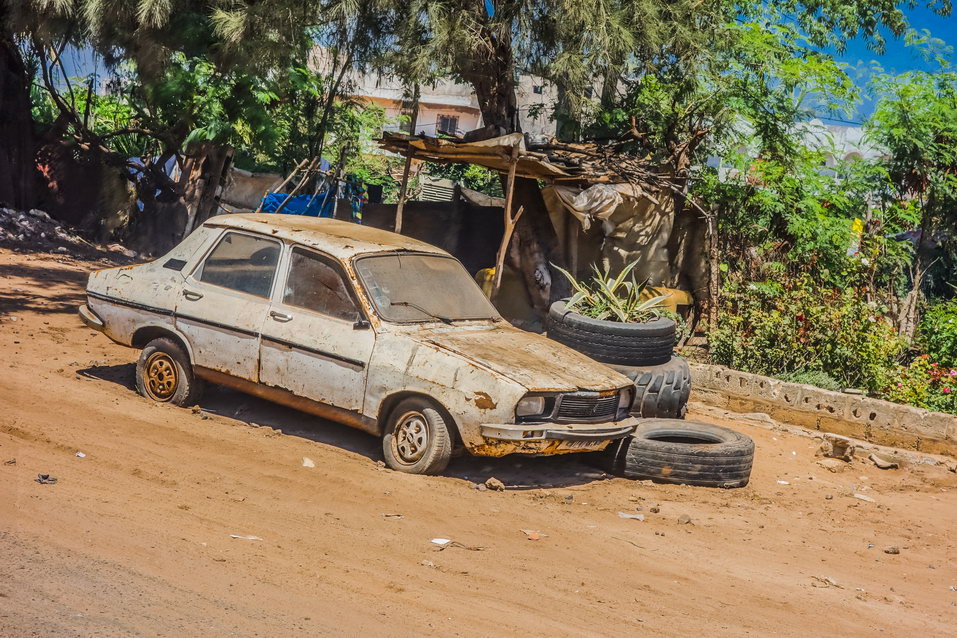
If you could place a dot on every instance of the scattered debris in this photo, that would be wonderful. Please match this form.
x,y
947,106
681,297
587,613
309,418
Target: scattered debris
x,y
479,486
445,543
307,462
441,541
951,465
532,535
659,533
883,462
46,479
655,510
393,516
828,497
684,519
836,447
864,497
495,484
637,517
80,455
825,581
428,563
245,538
10,462
893,549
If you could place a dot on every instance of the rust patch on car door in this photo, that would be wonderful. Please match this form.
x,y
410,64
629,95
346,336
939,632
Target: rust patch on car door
x,y
483,401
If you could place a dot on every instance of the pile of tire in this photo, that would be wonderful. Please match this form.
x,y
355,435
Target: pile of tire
x,y
664,448
643,352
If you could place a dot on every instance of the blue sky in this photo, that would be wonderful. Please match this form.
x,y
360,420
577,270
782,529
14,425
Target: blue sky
x,y
899,58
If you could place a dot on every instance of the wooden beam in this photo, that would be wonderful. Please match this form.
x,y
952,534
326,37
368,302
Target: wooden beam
x,y
509,221
302,182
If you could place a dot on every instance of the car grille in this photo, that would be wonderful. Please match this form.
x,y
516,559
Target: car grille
x,y
574,406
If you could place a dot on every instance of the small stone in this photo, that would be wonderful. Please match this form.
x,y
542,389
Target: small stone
x,y
883,462
481,487
684,519
837,448
569,498
655,510
893,549
828,497
494,484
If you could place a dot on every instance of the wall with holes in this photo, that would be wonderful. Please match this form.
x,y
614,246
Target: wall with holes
x,y
861,417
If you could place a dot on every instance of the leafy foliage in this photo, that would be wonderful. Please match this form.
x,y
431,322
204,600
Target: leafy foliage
x,y
925,384
938,332
779,327
610,298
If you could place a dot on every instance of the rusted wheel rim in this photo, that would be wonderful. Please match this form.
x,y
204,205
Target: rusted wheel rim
x,y
161,377
411,438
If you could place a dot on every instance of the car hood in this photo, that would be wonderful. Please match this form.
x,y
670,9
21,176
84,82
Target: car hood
x,y
532,360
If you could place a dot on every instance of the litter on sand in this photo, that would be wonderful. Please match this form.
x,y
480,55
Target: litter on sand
x,y
532,535
394,516
81,455
865,497
637,517
245,538
783,483
46,479
307,462
441,541
445,543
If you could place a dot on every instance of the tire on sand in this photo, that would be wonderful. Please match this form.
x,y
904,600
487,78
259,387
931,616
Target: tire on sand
x,y
628,344
686,452
660,391
417,438
164,374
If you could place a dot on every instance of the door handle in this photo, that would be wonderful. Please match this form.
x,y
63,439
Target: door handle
x,y
280,316
192,295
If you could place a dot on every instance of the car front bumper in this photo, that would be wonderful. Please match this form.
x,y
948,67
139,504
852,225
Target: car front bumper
x,y
550,438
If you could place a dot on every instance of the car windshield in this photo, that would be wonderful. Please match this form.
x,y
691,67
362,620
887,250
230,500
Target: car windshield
x,y
408,288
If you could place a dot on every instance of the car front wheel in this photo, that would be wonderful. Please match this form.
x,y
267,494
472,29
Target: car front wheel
x,y
164,374
417,437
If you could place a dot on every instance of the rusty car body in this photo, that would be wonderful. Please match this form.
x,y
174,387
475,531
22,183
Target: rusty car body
x,y
306,312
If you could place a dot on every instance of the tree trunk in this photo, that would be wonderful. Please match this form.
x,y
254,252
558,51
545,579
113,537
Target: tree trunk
x,y
205,171
17,145
907,319
535,243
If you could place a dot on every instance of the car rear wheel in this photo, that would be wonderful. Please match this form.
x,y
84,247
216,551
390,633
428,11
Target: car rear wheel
x,y
417,437
164,374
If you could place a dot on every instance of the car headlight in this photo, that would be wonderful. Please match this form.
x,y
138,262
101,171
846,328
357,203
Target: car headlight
x,y
624,399
530,406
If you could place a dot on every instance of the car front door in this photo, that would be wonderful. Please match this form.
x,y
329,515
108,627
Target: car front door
x,y
224,302
313,342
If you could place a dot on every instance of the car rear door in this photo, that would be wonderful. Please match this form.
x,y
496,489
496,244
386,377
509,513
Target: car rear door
x,y
224,301
313,343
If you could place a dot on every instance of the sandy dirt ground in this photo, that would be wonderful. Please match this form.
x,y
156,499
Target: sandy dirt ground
x,y
135,538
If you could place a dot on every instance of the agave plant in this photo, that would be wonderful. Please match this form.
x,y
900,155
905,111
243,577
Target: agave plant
x,y
614,298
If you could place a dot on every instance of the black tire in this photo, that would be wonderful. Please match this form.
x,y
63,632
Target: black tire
x,y
627,344
164,374
661,392
417,437
686,452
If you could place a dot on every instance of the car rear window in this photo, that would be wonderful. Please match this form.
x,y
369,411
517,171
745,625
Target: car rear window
x,y
242,262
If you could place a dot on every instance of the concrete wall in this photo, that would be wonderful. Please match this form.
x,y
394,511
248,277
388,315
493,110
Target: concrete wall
x,y
872,420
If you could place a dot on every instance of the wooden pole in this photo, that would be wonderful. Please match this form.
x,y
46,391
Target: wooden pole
x,y
509,221
281,186
402,192
302,182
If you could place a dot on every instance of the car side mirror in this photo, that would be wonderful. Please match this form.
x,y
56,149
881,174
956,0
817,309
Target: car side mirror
x,y
361,324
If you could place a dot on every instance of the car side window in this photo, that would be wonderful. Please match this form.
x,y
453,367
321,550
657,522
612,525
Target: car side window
x,y
315,284
242,262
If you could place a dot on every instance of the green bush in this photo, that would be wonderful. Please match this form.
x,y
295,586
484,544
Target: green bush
x,y
812,377
925,384
794,326
938,332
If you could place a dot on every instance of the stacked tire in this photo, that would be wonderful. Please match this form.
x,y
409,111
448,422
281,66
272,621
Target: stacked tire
x,y
643,352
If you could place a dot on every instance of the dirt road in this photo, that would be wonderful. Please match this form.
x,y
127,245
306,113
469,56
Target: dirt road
x,y
135,538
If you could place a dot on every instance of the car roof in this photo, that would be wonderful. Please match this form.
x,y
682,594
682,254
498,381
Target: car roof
x,y
337,238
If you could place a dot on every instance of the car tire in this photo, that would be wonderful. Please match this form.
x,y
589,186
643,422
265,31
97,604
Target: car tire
x,y
685,452
661,392
417,437
164,374
628,344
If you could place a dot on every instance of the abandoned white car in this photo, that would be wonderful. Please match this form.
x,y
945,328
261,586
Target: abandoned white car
x,y
357,325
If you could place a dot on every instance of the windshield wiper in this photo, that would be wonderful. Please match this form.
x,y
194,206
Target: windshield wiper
x,y
422,310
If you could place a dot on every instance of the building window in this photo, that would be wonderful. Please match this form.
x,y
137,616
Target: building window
x,y
537,89
447,124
